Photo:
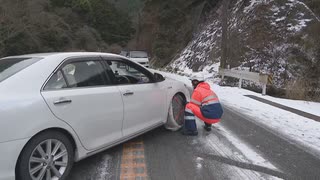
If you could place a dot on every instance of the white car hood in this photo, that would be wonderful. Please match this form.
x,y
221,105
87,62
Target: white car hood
x,y
169,79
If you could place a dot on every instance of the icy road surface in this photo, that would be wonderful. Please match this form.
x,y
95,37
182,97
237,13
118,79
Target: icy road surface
x,y
253,141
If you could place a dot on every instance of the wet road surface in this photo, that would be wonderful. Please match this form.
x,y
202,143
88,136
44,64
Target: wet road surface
x,y
236,148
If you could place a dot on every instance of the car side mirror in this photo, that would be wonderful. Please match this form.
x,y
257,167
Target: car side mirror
x,y
158,77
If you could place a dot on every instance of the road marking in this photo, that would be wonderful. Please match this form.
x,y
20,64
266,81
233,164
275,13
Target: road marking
x,y
133,166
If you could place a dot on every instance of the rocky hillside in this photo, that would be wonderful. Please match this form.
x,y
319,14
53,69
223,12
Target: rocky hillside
x,y
167,26
278,37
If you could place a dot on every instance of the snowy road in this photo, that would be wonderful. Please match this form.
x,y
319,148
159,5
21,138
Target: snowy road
x,y
237,148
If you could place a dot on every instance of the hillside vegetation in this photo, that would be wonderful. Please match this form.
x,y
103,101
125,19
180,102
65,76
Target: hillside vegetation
x,y
28,26
160,27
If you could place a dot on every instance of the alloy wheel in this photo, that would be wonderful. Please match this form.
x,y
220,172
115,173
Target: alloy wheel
x,y
48,161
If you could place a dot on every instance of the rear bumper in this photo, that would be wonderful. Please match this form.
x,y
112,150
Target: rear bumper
x,y
9,153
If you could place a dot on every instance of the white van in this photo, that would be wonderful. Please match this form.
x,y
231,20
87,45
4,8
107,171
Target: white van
x,y
140,57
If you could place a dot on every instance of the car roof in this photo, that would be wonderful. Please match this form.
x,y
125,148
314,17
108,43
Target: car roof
x,y
65,55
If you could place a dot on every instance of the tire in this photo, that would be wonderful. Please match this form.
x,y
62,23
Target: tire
x,y
175,119
33,163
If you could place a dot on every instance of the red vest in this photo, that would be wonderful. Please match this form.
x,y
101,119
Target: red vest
x,y
203,97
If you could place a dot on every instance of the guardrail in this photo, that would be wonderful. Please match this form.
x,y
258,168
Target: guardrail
x,y
251,76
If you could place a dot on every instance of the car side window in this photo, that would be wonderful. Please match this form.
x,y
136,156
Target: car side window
x,y
125,73
80,74
57,81
84,74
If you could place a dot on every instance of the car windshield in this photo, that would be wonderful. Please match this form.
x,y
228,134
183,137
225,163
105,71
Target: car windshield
x,y
10,66
138,54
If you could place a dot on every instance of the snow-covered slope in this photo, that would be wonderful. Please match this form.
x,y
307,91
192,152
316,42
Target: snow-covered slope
x,y
279,37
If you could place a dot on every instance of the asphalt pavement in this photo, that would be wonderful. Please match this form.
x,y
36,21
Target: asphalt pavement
x,y
237,148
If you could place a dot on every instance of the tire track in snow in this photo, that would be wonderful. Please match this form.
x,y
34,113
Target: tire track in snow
x,y
238,159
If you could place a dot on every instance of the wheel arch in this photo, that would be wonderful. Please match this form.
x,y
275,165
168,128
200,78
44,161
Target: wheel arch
x,y
55,129
170,124
182,94
174,94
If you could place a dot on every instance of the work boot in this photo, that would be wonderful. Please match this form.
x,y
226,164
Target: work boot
x,y
207,127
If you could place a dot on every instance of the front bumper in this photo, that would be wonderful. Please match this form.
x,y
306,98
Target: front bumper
x,y
9,153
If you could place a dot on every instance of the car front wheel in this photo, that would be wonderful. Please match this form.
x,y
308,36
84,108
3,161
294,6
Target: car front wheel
x,y
175,118
47,156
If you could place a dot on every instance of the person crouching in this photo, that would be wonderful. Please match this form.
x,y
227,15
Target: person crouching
x,y
204,104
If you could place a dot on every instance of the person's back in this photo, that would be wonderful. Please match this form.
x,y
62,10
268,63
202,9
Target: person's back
x,y
210,104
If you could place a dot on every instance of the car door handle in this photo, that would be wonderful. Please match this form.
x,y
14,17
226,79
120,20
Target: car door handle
x,y
128,93
170,87
62,101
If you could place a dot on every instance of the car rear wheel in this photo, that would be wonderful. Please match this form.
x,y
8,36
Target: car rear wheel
x,y
47,156
175,118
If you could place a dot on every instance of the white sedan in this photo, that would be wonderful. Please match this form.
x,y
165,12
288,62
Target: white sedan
x,y
57,108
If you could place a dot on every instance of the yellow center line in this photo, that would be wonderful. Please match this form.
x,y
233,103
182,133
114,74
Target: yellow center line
x,y
133,164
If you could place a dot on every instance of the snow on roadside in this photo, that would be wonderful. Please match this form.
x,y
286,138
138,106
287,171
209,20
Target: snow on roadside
x,y
306,106
292,126
289,125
